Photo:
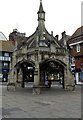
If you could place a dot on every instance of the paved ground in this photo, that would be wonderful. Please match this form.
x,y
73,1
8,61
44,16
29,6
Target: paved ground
x,y
51,103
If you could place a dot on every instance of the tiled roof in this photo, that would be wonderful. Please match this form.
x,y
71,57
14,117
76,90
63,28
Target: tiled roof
x,y
77,36
6,46
78,32
67,38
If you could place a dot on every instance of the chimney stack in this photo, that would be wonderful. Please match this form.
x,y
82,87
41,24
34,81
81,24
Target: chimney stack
x,y
15,30
63,34
52,33
57,37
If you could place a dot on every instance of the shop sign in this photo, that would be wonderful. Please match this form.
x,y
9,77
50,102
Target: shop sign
x,y
5,70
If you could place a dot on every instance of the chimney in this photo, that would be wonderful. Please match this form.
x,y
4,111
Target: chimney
x,y
15,30
64,38
64,34
52,33
57,37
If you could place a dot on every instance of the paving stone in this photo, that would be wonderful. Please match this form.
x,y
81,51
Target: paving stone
x,y
51,103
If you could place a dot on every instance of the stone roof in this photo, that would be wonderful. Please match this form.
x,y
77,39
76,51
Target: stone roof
x,y
43,36
2,36
6,46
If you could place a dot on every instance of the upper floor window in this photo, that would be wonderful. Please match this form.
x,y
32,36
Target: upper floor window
x,y
5,64
44,38
78,48
73,60
6,54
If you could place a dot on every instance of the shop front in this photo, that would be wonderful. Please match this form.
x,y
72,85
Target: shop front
x,y
4,75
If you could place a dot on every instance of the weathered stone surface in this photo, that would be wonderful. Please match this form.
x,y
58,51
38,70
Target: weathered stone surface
x,y
36,50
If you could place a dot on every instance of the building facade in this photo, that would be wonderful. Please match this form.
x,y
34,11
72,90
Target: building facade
x,y
76,50
40,58
6,49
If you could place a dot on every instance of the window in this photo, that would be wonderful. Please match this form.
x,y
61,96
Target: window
x,y
1,75
42,15
5,64
6,54
78,48
44,38
73,60
43,33
81,76
1,58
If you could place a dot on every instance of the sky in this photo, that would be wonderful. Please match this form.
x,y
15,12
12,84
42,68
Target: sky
x,y
61,15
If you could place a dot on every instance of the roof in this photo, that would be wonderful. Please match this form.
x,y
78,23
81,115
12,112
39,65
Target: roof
x,y
67,38
6,46
2,36
78,32
77,36
41,7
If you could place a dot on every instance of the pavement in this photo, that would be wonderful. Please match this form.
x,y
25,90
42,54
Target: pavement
x,y
53,102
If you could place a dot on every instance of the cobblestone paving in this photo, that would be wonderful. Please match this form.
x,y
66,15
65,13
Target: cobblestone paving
x,y
51,103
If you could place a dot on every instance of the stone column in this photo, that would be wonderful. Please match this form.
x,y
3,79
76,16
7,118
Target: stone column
x,y
69,83
36,88
12,80
20,78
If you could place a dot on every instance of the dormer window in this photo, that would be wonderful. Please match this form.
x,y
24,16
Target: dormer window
x,y
78,48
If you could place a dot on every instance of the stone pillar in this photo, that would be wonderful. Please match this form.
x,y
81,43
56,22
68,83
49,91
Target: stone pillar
x,y
12,80
19,78
36,88
69,83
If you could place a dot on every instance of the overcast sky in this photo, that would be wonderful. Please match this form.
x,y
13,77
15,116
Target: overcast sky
x,y
22,14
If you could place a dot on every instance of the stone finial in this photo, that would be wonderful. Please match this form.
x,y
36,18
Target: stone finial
x,y
63,34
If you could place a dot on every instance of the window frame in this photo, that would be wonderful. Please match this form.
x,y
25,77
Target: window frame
x,y
5,64
6,54
78,47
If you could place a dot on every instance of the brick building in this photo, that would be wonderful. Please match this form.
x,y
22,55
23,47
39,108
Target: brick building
x,y
76,50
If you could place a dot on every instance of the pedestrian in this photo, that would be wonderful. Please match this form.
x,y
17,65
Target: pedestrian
x,y
46,83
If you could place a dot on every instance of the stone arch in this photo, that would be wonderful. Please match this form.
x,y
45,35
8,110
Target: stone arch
x,y
24,60
53,59
47,71
25,69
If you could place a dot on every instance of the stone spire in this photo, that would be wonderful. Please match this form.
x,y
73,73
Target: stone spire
x,y
41,13
41,7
